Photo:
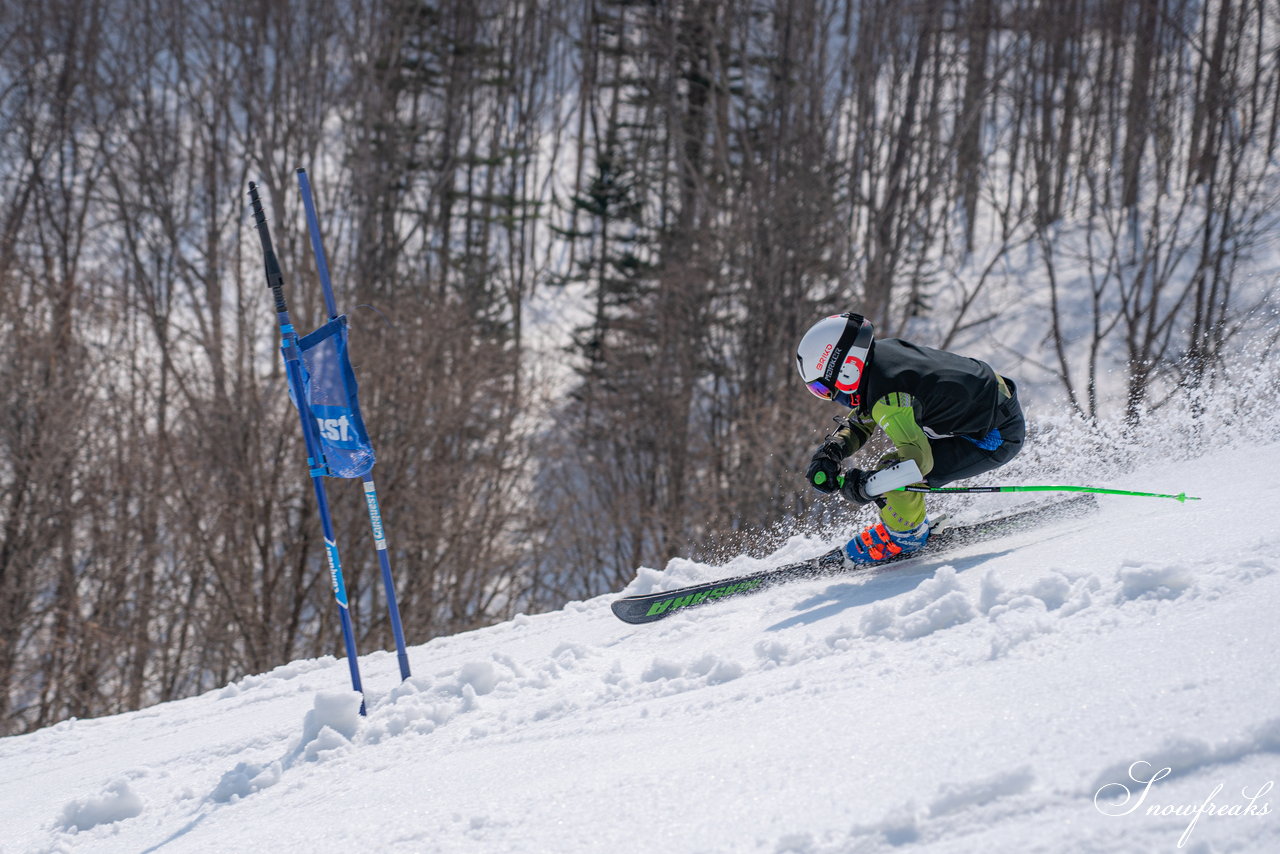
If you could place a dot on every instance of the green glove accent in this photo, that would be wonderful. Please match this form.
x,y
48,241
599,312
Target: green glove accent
x,y
821,478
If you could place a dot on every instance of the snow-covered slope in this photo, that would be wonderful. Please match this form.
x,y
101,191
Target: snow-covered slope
x,y
996,698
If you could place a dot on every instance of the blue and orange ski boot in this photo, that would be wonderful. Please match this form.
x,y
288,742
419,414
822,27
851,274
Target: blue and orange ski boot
x,y
878,543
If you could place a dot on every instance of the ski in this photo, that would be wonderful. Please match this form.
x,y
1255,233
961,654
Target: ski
x,y
648,607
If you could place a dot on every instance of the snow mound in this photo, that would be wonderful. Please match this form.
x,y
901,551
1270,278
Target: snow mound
x,y
1142,580
937,604
245,779
330,725
116,803
327,730
705,670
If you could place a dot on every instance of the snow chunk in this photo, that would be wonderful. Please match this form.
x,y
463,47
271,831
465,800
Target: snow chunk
x,y
715,670
942,613
408,688
708,669
420,705
993,593
331,723
772,652
1081,596
1053,590
649,580
245,779
567,655
1152,581
662,668
116,803
337,710
482,676
938,603
1020,619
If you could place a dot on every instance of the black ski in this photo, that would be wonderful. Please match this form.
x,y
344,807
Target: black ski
x,y
649,607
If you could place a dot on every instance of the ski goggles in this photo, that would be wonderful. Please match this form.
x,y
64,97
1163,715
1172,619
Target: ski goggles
x,y
819,389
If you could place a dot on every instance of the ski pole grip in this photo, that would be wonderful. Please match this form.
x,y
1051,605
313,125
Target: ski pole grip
x,y
896,476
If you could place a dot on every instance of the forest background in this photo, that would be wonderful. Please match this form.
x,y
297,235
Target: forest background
x,y
578,242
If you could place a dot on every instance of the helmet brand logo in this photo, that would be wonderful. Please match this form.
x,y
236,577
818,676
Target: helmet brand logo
x,y
822,360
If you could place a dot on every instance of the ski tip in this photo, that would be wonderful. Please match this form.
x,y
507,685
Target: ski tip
x,y
1182,497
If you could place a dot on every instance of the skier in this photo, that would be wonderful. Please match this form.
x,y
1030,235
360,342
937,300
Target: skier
x,y
954,416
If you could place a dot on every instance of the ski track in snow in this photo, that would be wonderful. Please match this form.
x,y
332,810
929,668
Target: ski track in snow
x,y
976,700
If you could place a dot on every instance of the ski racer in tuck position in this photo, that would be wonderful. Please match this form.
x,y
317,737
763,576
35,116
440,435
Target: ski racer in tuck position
x,y
954,416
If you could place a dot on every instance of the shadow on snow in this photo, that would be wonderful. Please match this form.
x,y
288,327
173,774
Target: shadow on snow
x,y
881,584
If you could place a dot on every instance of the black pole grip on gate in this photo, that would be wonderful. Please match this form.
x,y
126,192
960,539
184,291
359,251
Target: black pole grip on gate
x,y
275,278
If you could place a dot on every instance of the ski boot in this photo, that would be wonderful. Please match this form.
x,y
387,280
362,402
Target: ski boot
x,y
874,545
879,543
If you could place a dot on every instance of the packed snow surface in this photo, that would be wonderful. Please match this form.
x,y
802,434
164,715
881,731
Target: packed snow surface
x,y
1102,683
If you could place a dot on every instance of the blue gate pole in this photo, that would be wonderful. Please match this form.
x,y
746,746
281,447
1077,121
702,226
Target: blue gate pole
x,y
293,371
370,490
380,543
317,248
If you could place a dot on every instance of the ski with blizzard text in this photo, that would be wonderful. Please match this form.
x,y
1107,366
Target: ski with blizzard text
x,y
648,607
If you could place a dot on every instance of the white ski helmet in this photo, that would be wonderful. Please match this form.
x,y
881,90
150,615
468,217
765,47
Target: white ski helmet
x,y
833,355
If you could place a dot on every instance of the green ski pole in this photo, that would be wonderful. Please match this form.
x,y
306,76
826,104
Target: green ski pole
x,y
1180,497
906,471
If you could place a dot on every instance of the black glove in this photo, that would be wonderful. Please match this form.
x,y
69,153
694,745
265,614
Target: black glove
x,y
855,487
823,472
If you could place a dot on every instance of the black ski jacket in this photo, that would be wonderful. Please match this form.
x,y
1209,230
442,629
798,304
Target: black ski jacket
x,y
951,395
